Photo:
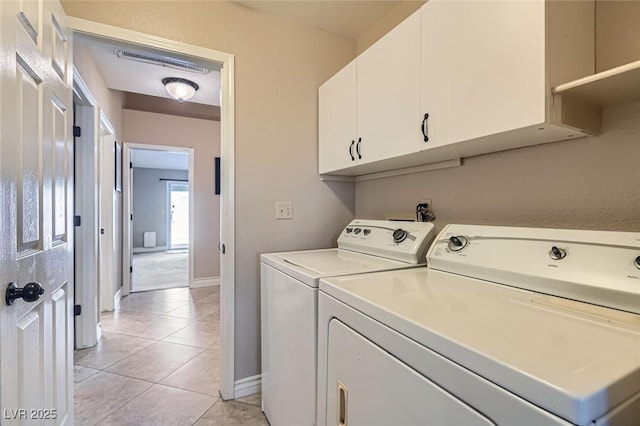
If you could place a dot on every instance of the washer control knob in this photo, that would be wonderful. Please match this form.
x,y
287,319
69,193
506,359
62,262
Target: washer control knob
x,y
349,230
457,243
637,262
557,253
399,235
366,231
357,231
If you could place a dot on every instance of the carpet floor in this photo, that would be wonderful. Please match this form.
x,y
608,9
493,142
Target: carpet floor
x,y
160,270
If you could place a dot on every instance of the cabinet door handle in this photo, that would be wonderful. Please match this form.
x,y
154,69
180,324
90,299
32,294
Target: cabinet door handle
x,y
358,148
425,129
351,151
342,404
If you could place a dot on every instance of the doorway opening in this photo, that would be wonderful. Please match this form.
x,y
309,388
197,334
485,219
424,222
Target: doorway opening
x,y
160,210
178,216
227,199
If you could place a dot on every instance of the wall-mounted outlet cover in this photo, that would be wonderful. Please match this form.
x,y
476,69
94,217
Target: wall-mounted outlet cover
x,y
426,201
284,209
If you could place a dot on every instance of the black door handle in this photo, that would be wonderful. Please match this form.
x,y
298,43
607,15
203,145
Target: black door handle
x,y
425,129
29,293
351,151
358,148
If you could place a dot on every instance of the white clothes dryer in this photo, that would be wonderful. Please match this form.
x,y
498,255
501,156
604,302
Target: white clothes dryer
x,y
506,326
289,303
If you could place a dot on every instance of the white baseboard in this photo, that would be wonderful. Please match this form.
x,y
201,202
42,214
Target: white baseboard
x,y
148,249
116,299
247,386
205,282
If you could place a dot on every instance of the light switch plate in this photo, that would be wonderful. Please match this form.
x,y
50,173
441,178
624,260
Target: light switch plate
x,y
284,209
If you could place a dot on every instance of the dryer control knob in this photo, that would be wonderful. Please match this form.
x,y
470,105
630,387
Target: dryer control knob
x,y
399,235
557,253
457,243
637,262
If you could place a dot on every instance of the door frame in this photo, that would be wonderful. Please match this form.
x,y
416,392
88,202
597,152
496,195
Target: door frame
x,y
87,206
107,262
227,214
127,208
168,191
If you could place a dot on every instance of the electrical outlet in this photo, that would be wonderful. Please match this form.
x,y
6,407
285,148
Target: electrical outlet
x,y
424,211
284,209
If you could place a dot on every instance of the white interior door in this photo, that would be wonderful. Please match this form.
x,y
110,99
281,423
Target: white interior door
x,y
87,204
36,201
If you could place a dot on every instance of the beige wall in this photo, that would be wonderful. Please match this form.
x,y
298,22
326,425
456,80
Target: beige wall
x,y
110,103
588,183
617,33
279,66
204,137
396,15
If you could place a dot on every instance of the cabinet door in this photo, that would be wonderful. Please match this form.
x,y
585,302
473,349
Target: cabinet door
x,y
337,121
389,94
367,386
483,67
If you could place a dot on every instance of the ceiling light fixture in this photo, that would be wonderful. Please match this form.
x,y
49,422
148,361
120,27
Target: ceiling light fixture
x,y
180,88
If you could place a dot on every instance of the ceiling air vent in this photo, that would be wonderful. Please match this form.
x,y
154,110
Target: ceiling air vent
x,y
162,61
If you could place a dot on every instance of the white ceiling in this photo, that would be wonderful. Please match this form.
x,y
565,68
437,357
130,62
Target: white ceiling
x,y
347,18
144,78
151,159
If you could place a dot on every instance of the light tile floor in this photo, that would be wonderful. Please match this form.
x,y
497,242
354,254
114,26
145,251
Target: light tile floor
x,y
158,363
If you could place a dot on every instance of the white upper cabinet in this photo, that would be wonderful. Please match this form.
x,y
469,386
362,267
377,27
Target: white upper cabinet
x,y
483,68
337,121
458,79
388,94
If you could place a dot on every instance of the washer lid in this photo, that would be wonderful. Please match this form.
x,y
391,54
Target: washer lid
x,y
311,265
571,358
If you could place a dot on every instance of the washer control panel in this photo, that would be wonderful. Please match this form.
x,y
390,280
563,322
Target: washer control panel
x,y
598,267
457,242
403,241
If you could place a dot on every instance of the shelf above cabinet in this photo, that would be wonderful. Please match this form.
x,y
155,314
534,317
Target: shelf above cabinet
x,y
614,86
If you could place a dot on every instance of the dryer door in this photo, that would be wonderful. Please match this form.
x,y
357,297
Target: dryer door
x,y
367,386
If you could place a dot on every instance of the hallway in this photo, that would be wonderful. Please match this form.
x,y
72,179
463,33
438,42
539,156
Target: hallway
x,y
158,364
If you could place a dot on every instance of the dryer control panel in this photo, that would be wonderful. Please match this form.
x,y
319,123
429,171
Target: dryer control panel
x,y
402,241
597,267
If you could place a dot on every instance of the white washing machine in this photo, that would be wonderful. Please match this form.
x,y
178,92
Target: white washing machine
x,y
506,326
289,302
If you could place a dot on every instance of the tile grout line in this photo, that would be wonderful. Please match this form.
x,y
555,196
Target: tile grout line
x,y
191,321
207,410
128,401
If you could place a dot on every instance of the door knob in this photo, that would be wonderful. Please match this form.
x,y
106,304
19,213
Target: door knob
x,y
29,293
